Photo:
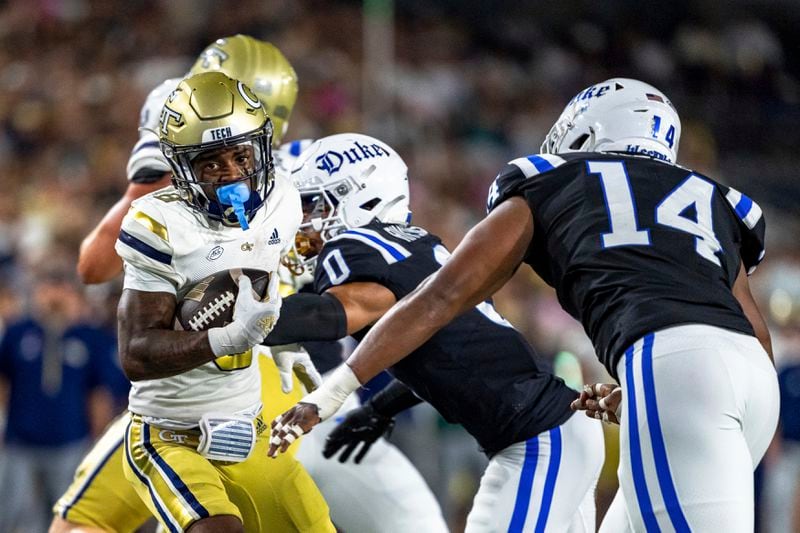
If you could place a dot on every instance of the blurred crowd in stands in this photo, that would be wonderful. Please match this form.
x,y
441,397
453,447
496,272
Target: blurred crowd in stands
x,y
466,87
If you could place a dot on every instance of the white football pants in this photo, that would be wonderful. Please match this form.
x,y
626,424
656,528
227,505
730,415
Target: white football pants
x,y
546,483
700,407
384,493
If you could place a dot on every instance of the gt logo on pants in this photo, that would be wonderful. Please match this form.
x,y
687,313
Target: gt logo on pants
x,y
167,435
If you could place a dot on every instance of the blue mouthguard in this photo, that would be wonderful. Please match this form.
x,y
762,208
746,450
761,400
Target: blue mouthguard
x,y
235,194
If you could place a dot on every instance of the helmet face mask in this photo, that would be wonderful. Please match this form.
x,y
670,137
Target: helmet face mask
x,y
319,224
214,133
617,115
347,181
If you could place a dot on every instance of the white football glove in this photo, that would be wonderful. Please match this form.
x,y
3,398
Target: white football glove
x,y
300,363
252,320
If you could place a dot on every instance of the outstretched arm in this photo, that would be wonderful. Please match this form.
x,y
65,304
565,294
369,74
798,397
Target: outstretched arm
x,y
482,263
98,262
342,310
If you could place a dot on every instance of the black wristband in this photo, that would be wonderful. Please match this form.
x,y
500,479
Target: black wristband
x,y
309,317
394,398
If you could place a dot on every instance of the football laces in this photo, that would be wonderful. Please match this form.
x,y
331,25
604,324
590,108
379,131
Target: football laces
x,y
208,313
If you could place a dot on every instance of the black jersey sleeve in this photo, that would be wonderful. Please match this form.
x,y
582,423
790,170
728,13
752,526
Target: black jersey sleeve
x,y
504,186
347,259
752,225
518,172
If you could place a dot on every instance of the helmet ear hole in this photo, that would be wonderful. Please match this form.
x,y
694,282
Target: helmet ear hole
x,y
578,143
370,205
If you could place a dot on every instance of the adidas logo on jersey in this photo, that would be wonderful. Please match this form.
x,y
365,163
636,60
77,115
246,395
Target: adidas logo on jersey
x,y
274,238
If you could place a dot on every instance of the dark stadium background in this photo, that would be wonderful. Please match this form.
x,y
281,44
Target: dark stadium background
x,y
458,87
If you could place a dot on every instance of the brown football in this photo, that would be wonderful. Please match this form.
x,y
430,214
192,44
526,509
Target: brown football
x,y
209,302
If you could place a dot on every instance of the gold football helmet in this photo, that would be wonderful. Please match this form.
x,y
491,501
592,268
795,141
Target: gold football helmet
x,y
262,67
217,137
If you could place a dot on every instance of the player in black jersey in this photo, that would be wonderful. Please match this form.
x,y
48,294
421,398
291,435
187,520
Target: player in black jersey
x,y
653,259
478,371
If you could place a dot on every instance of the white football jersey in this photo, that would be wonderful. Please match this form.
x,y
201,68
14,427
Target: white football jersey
x,y
167,247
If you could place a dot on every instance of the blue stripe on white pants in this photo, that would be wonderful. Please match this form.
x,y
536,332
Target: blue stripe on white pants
x,y
657,450
544,484
637,465
706,403
550,480
525,488
657,439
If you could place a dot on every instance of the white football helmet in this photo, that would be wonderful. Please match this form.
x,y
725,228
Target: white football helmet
x,y
617,115
347,181
286,155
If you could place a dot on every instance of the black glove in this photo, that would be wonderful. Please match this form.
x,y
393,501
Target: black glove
x,y
362,424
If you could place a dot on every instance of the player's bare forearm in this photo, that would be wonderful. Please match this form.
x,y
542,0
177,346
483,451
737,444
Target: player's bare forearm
x,y
364,302
98,261
479,266
148,346
741,290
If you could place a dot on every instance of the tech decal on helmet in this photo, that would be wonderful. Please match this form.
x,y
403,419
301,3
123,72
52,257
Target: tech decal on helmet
x,y
210,113
617,115
262,67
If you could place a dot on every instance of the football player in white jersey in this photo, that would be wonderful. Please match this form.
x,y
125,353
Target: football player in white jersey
x,y
260,65
100,498
404,500
222,212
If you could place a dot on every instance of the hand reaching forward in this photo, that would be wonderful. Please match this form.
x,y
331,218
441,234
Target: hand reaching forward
x,y
316,407
289,426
